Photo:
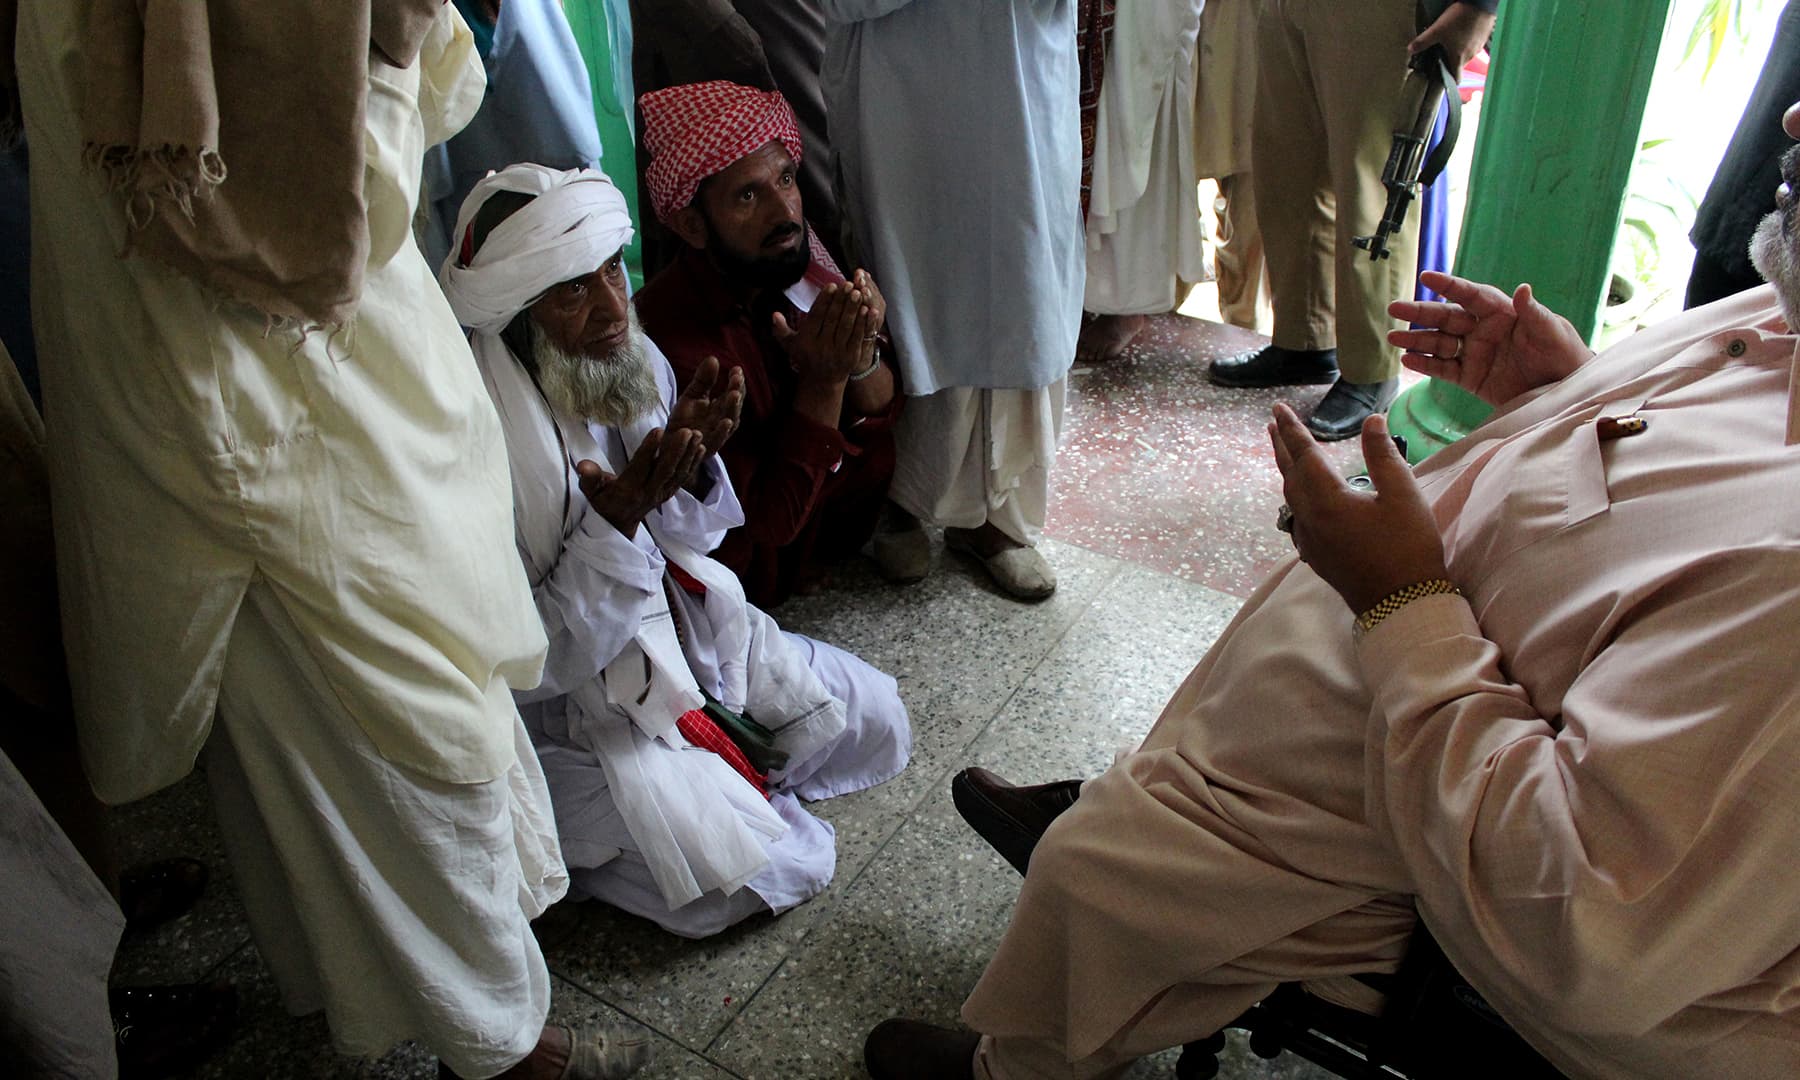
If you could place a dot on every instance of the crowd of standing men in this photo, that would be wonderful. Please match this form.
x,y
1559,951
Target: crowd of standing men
x,y
346,601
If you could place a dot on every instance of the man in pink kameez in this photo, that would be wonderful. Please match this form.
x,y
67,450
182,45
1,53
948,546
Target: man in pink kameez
x,y
1540,695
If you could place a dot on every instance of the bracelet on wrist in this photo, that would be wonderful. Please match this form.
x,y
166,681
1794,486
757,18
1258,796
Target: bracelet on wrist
x,y
874,362
1401,597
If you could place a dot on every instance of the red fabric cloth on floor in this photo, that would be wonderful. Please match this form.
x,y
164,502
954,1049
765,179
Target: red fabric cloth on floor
x,y
698,728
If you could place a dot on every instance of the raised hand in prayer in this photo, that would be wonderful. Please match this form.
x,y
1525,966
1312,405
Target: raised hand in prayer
x,y
1365,544
836,339
1492,345
865,281
710,405
663,464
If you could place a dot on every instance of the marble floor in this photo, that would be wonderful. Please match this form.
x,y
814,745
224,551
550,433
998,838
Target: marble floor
x,y
1161,526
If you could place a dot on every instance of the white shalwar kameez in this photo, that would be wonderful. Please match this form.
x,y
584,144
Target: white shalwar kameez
x,y
1143,222
955,131
649,823
307,537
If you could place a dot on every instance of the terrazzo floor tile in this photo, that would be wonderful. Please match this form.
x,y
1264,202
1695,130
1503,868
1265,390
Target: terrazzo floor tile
x,y
269,1044
1163,469
687,989
1105,684
957,650
910,938
668,1060
178,821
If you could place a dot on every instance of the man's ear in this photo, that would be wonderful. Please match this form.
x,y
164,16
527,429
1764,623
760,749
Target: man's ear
x,y
689,224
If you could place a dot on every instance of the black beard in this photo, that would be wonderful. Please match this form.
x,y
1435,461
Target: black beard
x,y
759,271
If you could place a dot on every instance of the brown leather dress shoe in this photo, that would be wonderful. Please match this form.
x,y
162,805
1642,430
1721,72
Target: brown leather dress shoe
x,y
1009,817
914,1050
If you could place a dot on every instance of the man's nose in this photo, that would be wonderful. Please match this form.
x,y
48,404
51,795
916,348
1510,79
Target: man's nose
x,y
609,307
787,208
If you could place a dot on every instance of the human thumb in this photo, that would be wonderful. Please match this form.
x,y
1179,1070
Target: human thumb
x,y
782,330
591,476
1524,303
1387,466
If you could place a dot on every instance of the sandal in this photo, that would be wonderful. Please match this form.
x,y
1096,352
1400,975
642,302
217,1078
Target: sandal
x,y
605,1052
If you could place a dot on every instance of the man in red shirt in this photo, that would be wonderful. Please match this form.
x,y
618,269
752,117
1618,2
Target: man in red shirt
x,y
814,453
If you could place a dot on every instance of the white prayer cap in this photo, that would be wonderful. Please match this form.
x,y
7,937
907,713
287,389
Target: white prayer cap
x,y
577,221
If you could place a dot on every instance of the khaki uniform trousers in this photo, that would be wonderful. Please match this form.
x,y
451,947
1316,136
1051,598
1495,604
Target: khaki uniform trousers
x,y
1238,260
1328,98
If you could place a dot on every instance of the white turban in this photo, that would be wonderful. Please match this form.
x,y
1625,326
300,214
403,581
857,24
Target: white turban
x,y
577,221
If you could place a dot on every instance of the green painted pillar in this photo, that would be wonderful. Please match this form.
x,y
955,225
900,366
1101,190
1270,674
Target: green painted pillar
x,y
602,30
1560,125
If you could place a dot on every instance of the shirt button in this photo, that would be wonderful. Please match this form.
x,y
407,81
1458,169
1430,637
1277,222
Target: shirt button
x,y
1736,348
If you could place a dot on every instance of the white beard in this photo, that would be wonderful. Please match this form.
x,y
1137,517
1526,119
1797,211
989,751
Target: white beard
x,y
610,390
1776,256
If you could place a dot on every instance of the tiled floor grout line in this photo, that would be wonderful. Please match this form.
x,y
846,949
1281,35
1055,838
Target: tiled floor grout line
x,y
824,919
212,972
957,760
641,1022
1086,608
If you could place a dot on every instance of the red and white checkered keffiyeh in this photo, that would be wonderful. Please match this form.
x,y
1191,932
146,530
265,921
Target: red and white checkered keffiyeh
x,y
697,130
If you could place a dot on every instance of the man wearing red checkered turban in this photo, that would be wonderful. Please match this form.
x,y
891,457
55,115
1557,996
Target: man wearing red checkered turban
x,y
812,460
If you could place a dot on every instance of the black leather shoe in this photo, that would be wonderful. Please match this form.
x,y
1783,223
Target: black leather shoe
x,y
1009,817
1276,366
1346,405
914,1050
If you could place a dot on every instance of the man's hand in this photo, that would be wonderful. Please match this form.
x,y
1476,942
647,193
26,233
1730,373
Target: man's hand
x,y
1494,346
662,464
877,303
836,339
1366,545
710,405
1463,31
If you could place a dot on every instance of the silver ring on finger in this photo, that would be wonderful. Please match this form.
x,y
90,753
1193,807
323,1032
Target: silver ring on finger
x,y
1457,355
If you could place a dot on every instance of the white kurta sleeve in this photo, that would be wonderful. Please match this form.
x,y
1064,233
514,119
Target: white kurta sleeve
x,y
592,602
1649,830
699,523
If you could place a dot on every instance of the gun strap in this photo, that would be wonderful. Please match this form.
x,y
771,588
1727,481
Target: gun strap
x,y
1440,154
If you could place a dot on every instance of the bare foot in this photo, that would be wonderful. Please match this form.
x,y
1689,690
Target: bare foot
x,y
1104,337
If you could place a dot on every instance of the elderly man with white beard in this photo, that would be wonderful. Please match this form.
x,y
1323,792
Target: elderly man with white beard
x,y
1539,695
678,726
